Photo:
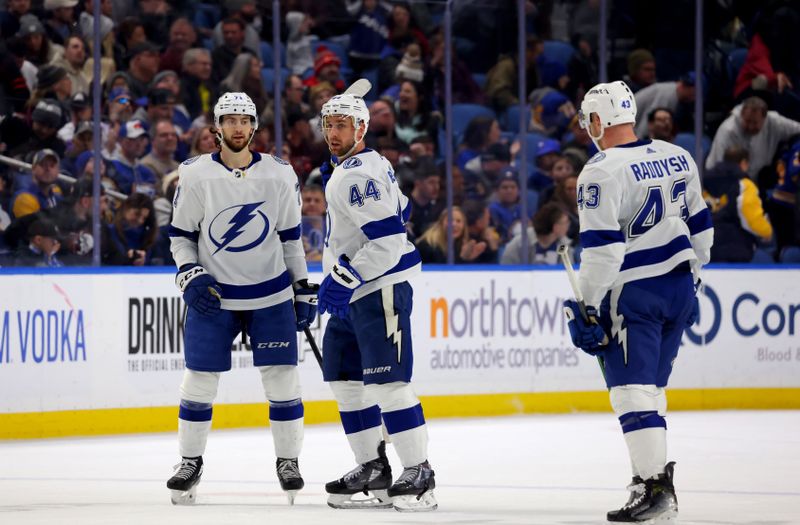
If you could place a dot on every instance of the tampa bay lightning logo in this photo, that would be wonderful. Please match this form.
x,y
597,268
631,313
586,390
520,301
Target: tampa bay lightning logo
x,y
239,228
597,158
352,162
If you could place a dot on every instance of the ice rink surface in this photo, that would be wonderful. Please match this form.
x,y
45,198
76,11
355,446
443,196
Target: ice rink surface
x,y
732,468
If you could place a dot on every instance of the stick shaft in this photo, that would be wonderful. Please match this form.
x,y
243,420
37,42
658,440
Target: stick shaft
x,y
314,347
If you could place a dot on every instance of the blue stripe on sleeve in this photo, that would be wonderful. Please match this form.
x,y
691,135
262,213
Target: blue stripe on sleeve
x,y
286,410
257,290
405,419
359,420
640,420
177,232
655,255
407,211
194,411
291,234
700,222
391,225
597,238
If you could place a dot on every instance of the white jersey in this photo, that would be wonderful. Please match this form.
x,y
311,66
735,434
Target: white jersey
x,y
366,219
242,226
641,214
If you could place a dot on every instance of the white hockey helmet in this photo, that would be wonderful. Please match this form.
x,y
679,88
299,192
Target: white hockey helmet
x,y
347,105
613,103
235,104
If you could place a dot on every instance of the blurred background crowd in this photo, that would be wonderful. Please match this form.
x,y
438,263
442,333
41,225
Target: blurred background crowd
x,y
164,63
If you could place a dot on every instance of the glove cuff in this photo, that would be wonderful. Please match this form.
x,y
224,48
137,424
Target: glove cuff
x,y
187,273
346,275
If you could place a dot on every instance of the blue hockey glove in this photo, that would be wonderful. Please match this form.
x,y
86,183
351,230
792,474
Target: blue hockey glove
x,y
305,303
200,290
694,315
338,287
588,336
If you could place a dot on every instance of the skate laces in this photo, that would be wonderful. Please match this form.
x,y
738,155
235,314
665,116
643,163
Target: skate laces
x,y
637,493
355,473
409,474
287,468
186,468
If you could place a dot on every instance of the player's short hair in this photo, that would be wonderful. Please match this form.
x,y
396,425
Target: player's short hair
x,y
755,103
736,154
547,217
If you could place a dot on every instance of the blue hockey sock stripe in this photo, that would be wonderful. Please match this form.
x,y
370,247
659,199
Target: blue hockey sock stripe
x,y
639,420
194,411
405,419
286,410
359,420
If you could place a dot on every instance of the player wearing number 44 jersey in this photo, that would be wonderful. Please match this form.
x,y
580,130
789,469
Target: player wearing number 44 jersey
x,y
367,357
646,232
235,236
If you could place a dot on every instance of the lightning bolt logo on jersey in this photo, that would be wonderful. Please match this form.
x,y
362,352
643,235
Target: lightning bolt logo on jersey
x,y
243,226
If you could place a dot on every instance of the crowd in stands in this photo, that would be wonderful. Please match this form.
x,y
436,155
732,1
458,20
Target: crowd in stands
x,y
164,64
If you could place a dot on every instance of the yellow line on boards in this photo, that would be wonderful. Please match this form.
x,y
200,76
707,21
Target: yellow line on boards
x,y
164,419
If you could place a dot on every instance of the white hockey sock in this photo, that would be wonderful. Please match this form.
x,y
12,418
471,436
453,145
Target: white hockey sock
x,y
641,410
282,388
198,390
405,422
361,419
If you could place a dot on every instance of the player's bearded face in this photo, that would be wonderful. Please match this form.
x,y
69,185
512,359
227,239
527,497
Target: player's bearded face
x,y
339,134
236,131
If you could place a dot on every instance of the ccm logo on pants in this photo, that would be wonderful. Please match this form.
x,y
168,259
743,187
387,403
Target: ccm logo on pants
x,y
273,344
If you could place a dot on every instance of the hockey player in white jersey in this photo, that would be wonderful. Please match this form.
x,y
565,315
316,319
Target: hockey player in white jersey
x,y
367,355
646,232
235,237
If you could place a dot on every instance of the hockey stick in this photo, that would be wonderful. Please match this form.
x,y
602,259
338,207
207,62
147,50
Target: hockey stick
x,y
566,260
314,347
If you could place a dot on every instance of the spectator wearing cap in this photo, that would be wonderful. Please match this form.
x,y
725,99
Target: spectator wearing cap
x,y
479,228
74,61
43,245
164,141
170,81
120,105
197,90
661,124
675,96
299,56
143,65
547,153
51,82
415,116
482,173
368,37
641,69
81,140
327,68
551,112
73,217
47,118
61,20
38,48
245,11
501,80
129,173
233,31
159,105
425,202
42,192
505,209
130,238
11,16
80,110
549,231
736,209
182,37
755,129
481,133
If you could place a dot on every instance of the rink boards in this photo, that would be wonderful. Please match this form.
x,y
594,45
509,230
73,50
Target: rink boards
x,y
86,353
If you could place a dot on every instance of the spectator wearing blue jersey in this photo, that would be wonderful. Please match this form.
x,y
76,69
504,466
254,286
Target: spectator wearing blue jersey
x,y
129,239
505,209
368,37
548,152
130,174
41,191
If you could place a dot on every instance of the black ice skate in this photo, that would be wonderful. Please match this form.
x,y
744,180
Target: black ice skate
x,y
413,490
652,500
183,484
289,476
372,479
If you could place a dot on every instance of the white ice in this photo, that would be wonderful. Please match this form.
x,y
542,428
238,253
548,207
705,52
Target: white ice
x,y
737,467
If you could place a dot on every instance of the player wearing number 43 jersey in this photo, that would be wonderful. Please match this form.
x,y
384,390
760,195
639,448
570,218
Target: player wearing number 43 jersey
x,y
367,357
646,232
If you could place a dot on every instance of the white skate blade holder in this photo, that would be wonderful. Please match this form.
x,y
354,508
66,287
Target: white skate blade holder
x,y
375,499
184,497
670,517
424,502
